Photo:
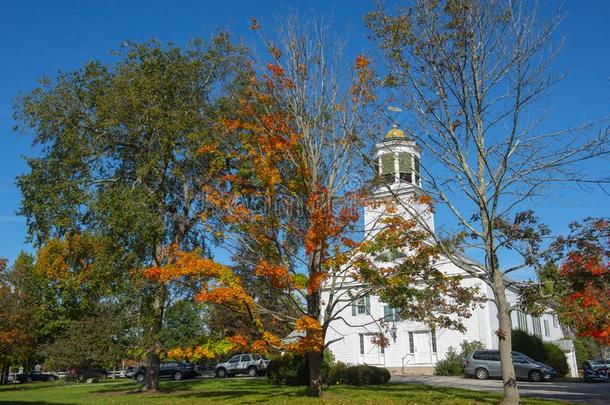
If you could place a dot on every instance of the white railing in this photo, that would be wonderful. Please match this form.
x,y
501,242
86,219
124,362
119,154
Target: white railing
x,y
408,356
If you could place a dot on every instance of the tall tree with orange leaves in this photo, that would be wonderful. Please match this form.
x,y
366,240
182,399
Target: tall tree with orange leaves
x,y
292,198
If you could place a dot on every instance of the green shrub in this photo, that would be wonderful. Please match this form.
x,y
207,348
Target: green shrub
x,y
363,375
556,359
453,363
289,369
469,347
335,373
530,345
544,352
581,352
292,370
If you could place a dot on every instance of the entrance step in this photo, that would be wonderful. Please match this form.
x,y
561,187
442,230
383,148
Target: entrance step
x,y
412,370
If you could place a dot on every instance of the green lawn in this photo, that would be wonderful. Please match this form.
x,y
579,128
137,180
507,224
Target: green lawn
x,y
239,390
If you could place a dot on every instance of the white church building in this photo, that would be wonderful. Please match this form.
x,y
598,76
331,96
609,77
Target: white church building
x,y
413,347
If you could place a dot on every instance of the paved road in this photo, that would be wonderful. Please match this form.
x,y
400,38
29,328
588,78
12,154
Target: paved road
x,y
595,393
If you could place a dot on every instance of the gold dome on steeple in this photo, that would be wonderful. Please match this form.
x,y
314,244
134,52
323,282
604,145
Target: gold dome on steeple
x,y
395,133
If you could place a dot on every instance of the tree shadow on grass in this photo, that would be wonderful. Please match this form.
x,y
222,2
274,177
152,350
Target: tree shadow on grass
x,y
420,393
17,402
29,387
246,396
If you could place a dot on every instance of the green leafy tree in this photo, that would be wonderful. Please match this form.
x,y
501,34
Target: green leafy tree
x,y
16,337
101,339
183,324
28,313
120,160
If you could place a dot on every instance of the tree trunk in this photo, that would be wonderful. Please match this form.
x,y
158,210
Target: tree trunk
x,y
511,393
314,363
4,375
314,357
153,320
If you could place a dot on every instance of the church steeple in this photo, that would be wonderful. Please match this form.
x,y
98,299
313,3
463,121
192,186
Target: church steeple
x,y
397,159
397,163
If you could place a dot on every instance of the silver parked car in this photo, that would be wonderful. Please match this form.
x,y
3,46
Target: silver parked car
x,y
251,364
486,363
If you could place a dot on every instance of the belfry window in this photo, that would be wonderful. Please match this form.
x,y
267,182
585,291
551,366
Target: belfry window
x,y
387,168
405,167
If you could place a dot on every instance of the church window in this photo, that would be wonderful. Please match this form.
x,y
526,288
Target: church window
x,y
361,306
391,314
522,320
537,328
411,343
546,328
387,167
361,343
433,338
416,164
405,167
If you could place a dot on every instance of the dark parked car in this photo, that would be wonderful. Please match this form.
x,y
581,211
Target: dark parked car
x,y
172,369
130,371
486,363
35,376
595,370
98,373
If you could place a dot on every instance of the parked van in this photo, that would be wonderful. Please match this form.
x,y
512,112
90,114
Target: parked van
x,y
486,363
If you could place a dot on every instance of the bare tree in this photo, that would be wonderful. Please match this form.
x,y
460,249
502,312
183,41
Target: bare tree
x,y
472,73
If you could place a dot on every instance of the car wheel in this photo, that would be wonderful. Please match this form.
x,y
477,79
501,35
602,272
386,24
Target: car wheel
x,y
535,375
177,376
221,373
140,378
481,373
51,378
252,371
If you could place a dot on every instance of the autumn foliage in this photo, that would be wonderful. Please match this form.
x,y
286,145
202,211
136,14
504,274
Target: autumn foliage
x,y
585,277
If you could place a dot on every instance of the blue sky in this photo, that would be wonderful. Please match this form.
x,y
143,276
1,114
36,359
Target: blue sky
x,y
41,37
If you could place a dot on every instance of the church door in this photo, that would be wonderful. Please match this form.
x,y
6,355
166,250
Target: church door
x,y
422,347
370,352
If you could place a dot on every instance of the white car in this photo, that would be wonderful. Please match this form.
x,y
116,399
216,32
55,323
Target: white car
x,y
250,364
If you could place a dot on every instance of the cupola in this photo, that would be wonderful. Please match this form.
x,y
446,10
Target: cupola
x,y
397,159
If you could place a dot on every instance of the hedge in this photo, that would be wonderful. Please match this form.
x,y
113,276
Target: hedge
x,y
292,370
544,352
363,375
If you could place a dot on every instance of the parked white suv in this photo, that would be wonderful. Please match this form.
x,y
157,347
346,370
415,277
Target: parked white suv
x,y
251,364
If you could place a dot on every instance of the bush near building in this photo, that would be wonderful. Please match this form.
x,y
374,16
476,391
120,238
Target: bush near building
x,y
361,375
544,352
453,363
291,370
